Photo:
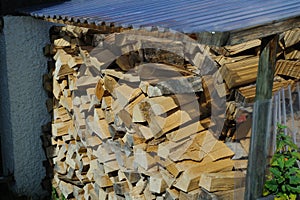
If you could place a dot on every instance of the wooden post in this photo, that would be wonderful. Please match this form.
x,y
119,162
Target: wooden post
x,y
260,138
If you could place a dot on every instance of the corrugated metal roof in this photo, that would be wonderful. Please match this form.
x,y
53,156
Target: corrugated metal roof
x,y
179,15
187,16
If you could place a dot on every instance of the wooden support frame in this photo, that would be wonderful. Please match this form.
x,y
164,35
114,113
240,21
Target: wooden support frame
x,y
238,36
260,138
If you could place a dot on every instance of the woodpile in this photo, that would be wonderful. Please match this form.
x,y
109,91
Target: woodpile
x,y
238,66
140,127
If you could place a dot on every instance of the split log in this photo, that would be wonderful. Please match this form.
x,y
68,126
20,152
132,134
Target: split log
x,y
291,37
288,68
126,94
240,73
190,178
246,94
213,182
160,125
157,184
237,193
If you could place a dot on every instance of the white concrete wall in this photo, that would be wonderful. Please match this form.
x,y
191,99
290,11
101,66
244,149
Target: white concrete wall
x,y
22,108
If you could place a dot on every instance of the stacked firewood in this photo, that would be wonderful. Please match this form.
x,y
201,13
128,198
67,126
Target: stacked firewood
x,y
238,66
138,128
146,124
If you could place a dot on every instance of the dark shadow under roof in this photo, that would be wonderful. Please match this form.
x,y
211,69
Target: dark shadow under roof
x,y
216,22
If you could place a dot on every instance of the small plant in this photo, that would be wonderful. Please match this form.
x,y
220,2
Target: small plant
x,y
55,196
284,178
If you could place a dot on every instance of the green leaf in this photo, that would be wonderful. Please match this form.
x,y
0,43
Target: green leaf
x,y
271,185
280,179
275,163
280,145
292,171
275,172
290,162
281,162
280,126
266,193
293,196
294,190
283,188
280,196
290,143
296,155
284,178
294,180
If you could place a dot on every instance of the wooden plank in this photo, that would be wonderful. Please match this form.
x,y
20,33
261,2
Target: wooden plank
x,y
260,135
238,48
246,34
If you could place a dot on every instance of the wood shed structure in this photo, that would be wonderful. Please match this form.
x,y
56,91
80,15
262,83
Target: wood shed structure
x,y
88,150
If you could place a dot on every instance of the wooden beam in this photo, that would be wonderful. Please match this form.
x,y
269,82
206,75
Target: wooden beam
x,y
260,138
242,35
269,29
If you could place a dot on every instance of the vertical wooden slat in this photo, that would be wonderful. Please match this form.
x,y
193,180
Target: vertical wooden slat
x,y
260,138
279,107
275,121
292,115
298,91
283,109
